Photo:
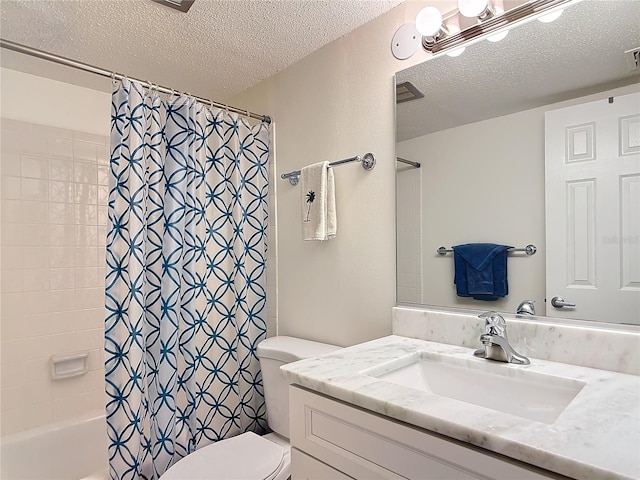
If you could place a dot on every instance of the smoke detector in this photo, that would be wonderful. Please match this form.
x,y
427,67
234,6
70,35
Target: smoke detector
x,y
182,5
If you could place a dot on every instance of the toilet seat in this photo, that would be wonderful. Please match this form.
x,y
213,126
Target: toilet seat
x,y
244,457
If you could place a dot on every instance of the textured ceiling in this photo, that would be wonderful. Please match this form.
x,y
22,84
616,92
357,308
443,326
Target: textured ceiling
x,y
536,64
216,50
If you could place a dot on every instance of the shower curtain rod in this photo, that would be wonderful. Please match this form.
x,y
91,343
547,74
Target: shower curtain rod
x,y
34,52
409,162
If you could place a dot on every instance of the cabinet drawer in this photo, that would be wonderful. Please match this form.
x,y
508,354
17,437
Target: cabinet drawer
x,y
304,467
365,445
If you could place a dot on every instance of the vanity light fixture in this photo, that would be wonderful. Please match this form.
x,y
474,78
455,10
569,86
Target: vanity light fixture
x,y
453,27
493,22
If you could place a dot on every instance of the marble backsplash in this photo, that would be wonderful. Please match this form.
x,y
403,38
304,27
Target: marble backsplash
x,y
607,347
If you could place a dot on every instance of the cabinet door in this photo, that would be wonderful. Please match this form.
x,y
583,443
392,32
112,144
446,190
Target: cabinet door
x,y
368,446
304,467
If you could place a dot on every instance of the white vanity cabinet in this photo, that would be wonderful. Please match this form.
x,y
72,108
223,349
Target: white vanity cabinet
x,y
334,440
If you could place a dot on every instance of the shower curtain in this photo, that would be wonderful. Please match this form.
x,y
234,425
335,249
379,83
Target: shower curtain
x,y
185,278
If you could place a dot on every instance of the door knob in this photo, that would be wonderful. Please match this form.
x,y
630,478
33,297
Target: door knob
x,y
558,302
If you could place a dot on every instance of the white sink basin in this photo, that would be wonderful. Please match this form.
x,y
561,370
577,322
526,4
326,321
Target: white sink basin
x,y
499,386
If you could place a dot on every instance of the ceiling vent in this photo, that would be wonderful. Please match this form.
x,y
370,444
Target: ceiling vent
x,y
182,5
633,58
405,92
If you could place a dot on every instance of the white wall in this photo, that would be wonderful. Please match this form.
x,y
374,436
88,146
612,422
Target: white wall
x,y
333,104
32,98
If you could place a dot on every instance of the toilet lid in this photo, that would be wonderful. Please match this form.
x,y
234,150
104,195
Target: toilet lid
x,y
247,456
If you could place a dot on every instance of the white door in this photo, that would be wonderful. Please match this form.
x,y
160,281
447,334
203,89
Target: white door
x,y
592,170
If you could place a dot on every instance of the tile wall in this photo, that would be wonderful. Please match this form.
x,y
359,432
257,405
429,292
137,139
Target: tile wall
x,y
53,229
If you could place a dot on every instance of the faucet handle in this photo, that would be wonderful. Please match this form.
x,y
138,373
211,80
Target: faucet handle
x,y
494,324
526,307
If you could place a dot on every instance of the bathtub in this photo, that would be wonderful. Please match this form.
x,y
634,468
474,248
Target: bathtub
x,y
70,450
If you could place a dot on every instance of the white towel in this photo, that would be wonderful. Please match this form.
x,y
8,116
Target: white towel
x,y
318,202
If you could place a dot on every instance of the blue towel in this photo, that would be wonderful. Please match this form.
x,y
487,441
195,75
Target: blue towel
x,y
481,270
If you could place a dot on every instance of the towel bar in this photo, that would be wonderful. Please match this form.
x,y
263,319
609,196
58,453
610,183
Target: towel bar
x,y
368,162
529,250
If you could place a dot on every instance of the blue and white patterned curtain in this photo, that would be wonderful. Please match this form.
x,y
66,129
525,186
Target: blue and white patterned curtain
x,y
185,282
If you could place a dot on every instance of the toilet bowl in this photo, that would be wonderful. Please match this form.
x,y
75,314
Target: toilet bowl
x,y
247,456
250,456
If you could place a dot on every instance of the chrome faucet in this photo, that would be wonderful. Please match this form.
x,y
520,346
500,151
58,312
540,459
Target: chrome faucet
x,y
496,344
527,307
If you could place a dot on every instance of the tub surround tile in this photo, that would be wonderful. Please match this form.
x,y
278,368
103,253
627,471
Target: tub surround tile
x,y
60,147
62,192
596,436
84,150
34,189
34,167
589,344
25,417
61,213
53,221
61,169
11,188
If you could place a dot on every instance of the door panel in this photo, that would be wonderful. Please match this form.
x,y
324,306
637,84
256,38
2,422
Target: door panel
x,y
592,181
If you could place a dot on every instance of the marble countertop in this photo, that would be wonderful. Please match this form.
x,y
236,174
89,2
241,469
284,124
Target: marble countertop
x,y
596,436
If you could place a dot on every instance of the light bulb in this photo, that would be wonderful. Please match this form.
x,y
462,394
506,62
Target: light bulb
x,y
456,52
496,37
429,21
550,17
472,8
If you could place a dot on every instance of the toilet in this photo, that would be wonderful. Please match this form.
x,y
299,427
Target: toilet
x,y
250,456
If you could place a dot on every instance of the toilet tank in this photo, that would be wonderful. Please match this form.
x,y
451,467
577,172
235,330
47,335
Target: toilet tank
x,y
273,353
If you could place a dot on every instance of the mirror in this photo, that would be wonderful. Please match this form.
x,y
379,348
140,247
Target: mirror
x,y
479,135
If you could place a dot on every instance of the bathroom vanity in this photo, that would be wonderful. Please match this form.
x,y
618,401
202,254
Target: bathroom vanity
x,y
418,404
333,439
